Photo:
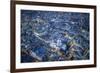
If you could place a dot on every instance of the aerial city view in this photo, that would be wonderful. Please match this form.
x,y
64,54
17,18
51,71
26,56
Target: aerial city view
x,y
54,36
